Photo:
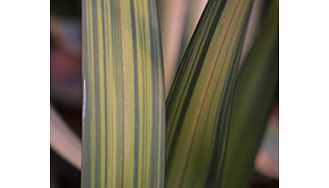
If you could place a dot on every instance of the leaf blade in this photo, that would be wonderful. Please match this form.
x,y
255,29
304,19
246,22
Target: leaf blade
x,y
123,136
255,94
199,102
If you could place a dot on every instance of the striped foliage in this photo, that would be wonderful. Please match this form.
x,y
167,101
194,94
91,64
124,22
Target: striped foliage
x,y
199,103
124,117
255,93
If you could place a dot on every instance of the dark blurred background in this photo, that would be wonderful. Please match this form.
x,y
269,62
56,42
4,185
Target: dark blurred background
x,y
65,81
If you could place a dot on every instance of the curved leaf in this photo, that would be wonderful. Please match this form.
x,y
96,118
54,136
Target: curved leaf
x,y
255,93
199,102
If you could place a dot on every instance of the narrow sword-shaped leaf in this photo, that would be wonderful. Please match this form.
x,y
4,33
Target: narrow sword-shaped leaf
x,y
124,117
199,102
255,93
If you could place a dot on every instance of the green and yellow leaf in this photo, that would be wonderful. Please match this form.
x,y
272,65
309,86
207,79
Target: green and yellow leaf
x,y
199,103
124,103
254,97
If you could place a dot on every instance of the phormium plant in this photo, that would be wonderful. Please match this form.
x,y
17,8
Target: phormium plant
x,y
206,132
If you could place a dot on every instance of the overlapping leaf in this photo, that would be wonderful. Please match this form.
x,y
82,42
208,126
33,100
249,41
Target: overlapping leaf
x,y
256,91
199,103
